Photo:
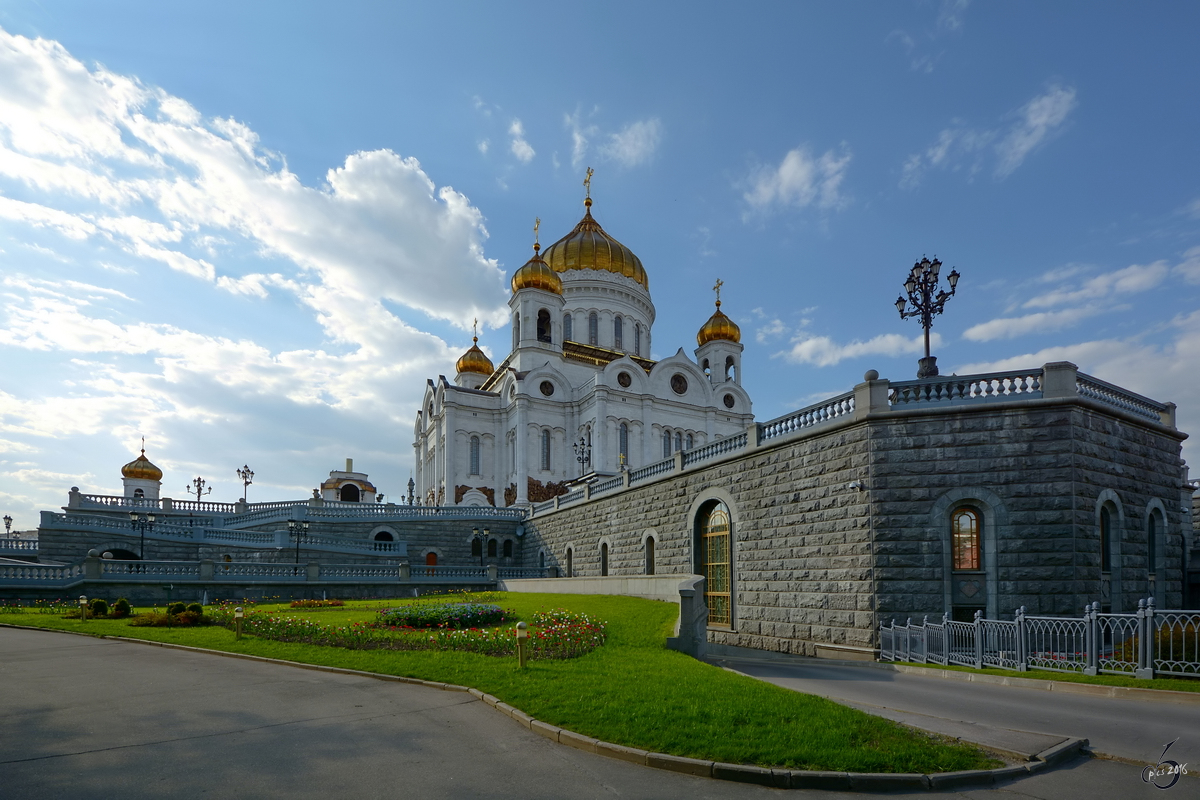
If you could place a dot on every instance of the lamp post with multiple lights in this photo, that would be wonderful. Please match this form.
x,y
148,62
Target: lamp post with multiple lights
x,y
298,529
143,523
247,476
7,525
927,300
476,536
199,487
583,454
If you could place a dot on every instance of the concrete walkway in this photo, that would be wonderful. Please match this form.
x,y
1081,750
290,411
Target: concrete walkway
x,y
1014,718
92,718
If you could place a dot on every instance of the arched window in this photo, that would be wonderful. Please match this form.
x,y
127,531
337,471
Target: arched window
x,y
688,442
546,450
508,548
349,493
603,558
730,369
516,333
666,444
637,338
384,536
965,552
716,565
1152,545
431,559
623,441
138,493
542,560
491,548
570,562
705,368
1105,539
477,547
568,328
543,326
593,328
649,555
618,337
474,455
678,440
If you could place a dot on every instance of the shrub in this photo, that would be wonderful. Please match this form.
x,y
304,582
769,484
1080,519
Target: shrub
x,y
98,607
175,609
152,619
318,603
444,615
195,608
120,609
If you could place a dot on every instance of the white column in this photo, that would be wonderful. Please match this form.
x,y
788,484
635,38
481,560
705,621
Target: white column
x,y
600,432
522,445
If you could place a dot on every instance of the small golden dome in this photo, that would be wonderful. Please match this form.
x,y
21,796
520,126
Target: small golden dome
x,y
474,360
142,469
589,247
718,326
536,274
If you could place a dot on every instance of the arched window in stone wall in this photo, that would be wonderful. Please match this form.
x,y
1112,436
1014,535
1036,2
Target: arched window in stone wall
x,y
570,562
618,333
688,442
678,440
593,328
603,559
964,537
384,536
623,442
477,547
649,555
491,548
1152,527
543,326
516,334
1105,539
508,548
542,559
546,449
968,578
349,493
637,338
568,328
1110,524
431,559
715,551
139,493
666,444
474,455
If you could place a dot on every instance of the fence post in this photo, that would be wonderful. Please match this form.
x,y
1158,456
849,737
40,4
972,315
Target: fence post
x,y
925,640
978,639
945,637
1090,639
1022,644
1145,646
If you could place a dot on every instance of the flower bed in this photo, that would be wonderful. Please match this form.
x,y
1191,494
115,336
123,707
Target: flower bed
x,y
318,603
444,615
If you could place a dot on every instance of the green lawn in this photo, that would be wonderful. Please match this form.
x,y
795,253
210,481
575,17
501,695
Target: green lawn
x,y
631,691
1172,684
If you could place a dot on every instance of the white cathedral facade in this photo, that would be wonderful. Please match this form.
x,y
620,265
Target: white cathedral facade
x,y
578,396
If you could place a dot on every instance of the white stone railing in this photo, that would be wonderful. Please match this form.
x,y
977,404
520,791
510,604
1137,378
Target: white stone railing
x,y
993,386
608,484
37,574
720,447
17,546
149,569
808,417
1115,396
650,470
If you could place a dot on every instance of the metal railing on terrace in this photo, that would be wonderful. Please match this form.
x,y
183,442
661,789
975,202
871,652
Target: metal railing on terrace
x,y
937,392
1143,644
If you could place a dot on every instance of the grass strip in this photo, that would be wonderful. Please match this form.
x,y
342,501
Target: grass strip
x,y
1167,684
631,691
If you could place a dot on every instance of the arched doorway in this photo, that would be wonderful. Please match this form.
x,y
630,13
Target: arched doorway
x,y
384,536
431,559
714,553
349,493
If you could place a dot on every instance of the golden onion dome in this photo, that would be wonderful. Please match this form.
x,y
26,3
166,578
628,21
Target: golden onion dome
x,y
474,360
718,326
589,247
536,274
142,469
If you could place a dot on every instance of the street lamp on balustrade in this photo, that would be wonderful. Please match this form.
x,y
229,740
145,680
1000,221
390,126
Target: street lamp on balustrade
x,y
298,529
482,539
583,454
142,522
927,300
198,487
7,525
247,476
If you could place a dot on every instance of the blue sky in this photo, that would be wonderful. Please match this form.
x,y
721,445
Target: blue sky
x,y
250,234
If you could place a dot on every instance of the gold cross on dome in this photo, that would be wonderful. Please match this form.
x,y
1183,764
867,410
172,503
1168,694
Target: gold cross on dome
x,y
588,181
143,445
537,223
475,329
717,288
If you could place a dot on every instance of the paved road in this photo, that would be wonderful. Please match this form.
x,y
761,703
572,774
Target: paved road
x,y
90,718
1123,728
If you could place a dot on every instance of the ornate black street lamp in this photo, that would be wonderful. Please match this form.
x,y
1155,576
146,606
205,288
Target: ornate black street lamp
x,y
199,488
298,529
476,536
7,525
142,522
247,476
927,299
583,454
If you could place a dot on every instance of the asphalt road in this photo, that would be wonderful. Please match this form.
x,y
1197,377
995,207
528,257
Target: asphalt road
x,y
91,718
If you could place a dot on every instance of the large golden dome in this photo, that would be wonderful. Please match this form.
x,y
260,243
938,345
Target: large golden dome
x,y
474,360
536,274
589,247
142,469
718,326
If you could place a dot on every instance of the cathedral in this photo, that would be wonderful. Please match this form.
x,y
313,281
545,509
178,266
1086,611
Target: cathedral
x,y
578,397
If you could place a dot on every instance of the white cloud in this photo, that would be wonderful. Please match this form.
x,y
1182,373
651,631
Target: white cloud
x,y
1129,280
800,180
961,148
1189,268
1038,119
950,15
520,148
822,351
634,144
1042,322
483,145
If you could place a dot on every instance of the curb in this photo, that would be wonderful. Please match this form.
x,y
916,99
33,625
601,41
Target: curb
x,y
742,773
1044,684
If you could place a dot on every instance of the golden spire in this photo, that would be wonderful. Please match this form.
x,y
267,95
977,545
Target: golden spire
x,y
537,223
587,182
475,330
717,289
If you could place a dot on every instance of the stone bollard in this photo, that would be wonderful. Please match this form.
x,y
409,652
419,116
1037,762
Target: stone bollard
x,y
493,572
522,644
237,622
405,572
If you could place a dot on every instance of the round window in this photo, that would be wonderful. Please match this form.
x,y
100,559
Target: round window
x,y
678,383
547,388
624,379
728,400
